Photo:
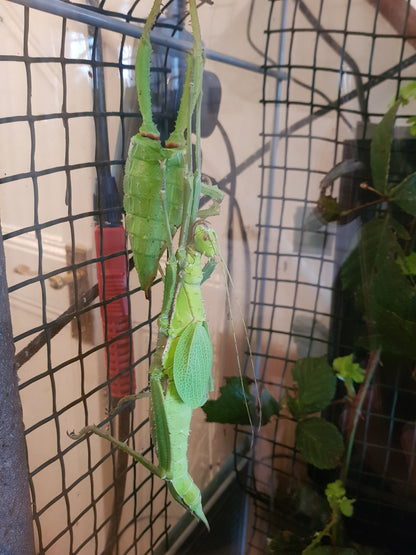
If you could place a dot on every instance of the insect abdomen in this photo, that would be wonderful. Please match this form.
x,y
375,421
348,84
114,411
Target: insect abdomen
x,y
182,487
145,223
143,207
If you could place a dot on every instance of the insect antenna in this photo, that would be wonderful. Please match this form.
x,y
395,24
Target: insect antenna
x,y
228,280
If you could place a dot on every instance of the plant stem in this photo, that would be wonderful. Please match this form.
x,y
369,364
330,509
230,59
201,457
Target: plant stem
x,y
351,210
327,531
367,187
371,368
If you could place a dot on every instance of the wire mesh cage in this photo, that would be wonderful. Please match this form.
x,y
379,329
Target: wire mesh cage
x,y
84,333
344,61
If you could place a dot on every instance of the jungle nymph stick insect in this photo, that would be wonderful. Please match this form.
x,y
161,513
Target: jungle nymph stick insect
x,y
162,193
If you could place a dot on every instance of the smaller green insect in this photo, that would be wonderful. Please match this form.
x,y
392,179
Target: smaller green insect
x,y
180,375
184,362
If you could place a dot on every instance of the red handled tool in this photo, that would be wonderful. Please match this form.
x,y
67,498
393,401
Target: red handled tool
x,y
112,284
112,287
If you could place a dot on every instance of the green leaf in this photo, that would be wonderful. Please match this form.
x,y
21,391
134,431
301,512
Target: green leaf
x,y
319,442
293,406
311,504
334,491
380,149
349,372
381,291
192,365
337,499
377,241
328,208
269,406
399,229
407,92
404,194
346,506
316,386
347,369
412,122
389,288
396,334
235,398
408,264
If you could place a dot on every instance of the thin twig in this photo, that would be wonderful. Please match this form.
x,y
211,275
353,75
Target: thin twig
x,y
373,361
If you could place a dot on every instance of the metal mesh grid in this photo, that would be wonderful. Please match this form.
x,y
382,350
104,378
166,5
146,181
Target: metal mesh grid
x,y
345,60
52,155
72,484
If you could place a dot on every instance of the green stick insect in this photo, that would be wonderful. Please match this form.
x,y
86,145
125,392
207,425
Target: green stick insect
x,y
162,193
150,164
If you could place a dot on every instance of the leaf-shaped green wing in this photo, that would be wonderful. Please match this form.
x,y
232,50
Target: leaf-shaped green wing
x,y
192,364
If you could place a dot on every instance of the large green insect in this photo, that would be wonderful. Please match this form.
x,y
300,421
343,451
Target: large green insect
x,y
149,163
162,192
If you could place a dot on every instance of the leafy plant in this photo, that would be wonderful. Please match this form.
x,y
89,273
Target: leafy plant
x,y
349,372
236,405
326,512
338,501
318,440
380,276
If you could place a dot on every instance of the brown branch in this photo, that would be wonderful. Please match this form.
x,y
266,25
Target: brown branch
x,y
40,340
65,318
